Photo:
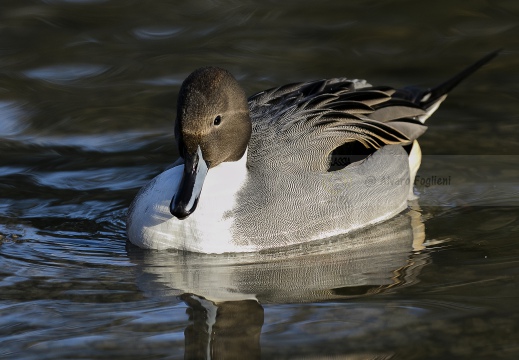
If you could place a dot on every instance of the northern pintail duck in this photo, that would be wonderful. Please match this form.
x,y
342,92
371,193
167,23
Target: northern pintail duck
x,y
289,165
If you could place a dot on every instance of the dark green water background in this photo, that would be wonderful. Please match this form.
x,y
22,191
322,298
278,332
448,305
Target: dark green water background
x,y
87,104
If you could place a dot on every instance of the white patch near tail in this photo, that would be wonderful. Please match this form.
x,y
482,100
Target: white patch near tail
x,y
431,109
415,159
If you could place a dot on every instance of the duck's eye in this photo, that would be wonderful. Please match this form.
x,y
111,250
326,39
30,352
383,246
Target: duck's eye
x,y
217,120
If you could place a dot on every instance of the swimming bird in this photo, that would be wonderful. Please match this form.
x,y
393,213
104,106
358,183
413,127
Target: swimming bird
x,y
288,165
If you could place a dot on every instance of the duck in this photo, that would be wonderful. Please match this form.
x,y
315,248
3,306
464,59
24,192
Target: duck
x,y
286,166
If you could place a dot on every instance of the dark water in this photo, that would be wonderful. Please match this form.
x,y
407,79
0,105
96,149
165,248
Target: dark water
x,y
87,103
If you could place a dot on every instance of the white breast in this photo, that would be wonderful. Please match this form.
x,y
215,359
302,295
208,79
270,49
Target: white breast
x,y
207,229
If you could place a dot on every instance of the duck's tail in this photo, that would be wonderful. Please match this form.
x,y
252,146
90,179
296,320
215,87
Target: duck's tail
x,y
430,99
432,95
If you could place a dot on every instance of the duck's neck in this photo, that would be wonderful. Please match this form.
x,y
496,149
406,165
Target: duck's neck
x,y
223,182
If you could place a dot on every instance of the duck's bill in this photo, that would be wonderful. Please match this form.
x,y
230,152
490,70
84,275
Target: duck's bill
x,y
184,202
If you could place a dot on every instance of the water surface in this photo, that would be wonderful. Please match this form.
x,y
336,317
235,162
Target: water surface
x,y
87,104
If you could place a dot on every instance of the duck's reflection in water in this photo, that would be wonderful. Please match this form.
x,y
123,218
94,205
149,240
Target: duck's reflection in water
x,y
227,330
225,293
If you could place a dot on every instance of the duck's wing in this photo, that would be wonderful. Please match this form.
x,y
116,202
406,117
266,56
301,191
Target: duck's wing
x,y
303,123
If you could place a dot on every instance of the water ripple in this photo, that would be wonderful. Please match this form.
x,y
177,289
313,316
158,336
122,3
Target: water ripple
x,y
156,33
12,118
65,73
95,179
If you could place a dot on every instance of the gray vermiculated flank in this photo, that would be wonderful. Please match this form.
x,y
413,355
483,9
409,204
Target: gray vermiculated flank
x,y
295,128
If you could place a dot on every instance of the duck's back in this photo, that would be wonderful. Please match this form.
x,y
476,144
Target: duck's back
x,y
293,191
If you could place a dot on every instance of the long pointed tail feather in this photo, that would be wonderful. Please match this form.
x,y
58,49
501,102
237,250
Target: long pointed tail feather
x,y
430,96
